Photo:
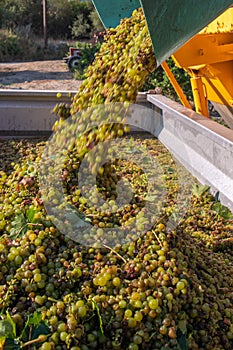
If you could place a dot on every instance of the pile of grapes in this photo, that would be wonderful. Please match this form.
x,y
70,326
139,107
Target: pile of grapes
x,y
170,287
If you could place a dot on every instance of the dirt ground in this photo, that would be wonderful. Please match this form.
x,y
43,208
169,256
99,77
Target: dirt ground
x,y
37,75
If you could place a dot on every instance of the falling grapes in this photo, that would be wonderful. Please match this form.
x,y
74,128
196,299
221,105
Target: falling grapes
x,y
120,67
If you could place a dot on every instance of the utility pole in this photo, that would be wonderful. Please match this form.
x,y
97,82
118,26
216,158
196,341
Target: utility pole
x,y
45,23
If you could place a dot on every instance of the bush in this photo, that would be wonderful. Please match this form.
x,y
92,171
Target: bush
x,y
88,55
65,18
11,46
159,79
18,47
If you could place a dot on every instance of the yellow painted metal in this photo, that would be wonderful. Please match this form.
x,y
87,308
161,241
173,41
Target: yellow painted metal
x,y
218,79
199,95
205,49
176,85
208,57
223,24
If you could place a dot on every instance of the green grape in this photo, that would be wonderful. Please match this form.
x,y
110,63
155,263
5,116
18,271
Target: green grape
x,y
138,316
63,336
140,294
37,277
39,300
61,327
116,281
153,304
82,311
132,322
128,313
122,304
18,260
46,346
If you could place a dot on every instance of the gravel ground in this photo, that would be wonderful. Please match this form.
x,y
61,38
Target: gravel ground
x,y
37,75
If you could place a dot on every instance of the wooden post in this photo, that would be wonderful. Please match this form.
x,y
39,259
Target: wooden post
x,y
45,24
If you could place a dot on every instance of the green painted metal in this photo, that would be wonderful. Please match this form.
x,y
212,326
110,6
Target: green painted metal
x,y
112,11
171,23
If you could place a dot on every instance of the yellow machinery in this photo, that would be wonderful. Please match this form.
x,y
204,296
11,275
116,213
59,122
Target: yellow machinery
x,y
208,58
176,28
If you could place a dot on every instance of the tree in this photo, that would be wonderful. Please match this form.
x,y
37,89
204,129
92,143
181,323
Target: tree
x,y
21,14
97,25
82,25
65,18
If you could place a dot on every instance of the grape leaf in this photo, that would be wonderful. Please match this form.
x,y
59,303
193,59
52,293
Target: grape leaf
x,y
200,190
42,328
18,226
182,326
7,330
170,170
33,320
222,211
13,325
30,214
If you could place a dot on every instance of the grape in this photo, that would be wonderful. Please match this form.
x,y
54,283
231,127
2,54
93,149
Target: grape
x,y
116,281
37,277
61,327
63,336
39,300
82,311
46,346
122,304
128,313
153,304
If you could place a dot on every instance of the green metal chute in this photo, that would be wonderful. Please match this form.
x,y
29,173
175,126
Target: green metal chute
x,y
171,23
111,12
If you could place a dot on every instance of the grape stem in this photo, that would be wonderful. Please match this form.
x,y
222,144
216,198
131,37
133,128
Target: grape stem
x,y
28,343
157,237
113,251
95,307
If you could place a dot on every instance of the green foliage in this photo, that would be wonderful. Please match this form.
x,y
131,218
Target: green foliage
x,y
88,55
7,327
22,13
20,223
81,26
159,79
96,22
14,46
222,211
34,331
60,16
10,44
200,190
21,47
65,18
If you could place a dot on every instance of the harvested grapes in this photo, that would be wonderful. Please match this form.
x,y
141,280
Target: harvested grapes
x,y
163,289
167,286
